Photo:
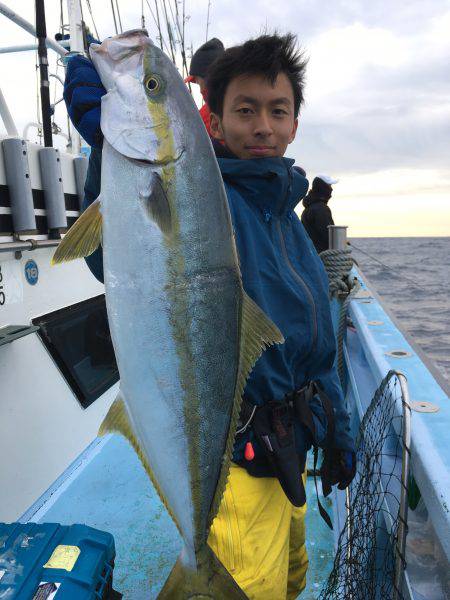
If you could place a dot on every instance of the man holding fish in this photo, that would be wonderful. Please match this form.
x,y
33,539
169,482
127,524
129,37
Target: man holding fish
x,y
191,335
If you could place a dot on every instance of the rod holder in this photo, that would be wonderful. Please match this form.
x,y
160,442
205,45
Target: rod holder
x,y
15,153
52,185
80,165
337,237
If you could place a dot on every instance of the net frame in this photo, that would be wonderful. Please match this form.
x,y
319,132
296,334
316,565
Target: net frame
x,y
370,557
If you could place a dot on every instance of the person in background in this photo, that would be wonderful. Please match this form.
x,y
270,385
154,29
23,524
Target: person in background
x,y
317,214
200,63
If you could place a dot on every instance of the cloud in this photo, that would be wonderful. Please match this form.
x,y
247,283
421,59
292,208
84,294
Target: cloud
x,y
385,108
377,85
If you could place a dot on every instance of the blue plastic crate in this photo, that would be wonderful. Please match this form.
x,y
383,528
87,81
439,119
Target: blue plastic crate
x,y
39,560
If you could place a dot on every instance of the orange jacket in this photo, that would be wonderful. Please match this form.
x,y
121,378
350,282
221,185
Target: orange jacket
x,y
204,113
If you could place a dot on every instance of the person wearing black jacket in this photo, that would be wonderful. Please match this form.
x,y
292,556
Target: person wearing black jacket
x,y
317,214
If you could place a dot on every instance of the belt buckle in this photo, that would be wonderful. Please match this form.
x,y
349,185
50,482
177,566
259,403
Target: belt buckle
x,y
279,409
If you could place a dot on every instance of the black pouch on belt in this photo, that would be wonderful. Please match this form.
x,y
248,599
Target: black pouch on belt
x,y
274,428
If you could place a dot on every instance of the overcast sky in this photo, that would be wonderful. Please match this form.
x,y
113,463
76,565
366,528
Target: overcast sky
x,y
377,110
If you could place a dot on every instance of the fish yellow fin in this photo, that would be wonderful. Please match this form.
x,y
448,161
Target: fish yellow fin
x,y
118,421
257,333
83,238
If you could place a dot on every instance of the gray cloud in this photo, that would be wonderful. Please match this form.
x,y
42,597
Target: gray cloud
x,y
386,117
232,18
390,118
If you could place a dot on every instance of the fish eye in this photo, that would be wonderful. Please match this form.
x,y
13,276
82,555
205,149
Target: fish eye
x,y
153,84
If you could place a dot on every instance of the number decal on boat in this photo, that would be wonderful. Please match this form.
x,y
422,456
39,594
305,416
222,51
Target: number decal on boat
x,y
31,272
11,284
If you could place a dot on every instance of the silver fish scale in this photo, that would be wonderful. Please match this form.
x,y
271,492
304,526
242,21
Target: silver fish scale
x,y
175,329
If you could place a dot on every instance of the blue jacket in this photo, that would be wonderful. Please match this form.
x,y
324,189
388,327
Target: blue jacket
x,y
284,275
83,91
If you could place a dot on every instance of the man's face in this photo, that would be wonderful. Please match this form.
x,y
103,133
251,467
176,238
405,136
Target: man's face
x,y
258,117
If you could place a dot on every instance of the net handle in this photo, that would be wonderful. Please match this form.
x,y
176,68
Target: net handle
x,y
400,562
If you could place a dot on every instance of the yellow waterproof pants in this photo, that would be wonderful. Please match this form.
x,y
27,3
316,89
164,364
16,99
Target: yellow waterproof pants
x,y
259,536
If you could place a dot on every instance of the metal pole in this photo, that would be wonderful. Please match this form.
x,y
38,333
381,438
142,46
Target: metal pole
x,y
27,127
76,45
27,245
14,17
6,117
349,582
337,237
75,26
28,47
41,32
403,509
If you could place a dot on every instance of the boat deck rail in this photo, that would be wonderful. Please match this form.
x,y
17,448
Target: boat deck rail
x,y
29,244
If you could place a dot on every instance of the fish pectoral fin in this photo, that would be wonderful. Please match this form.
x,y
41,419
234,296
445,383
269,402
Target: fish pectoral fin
x,y
258,332
83,238
157,205
208,579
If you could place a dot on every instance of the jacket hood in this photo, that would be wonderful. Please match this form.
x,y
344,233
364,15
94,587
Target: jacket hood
x,y
271,183
321,191
313,198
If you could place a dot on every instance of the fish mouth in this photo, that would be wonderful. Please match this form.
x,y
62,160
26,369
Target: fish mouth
x,y
156,163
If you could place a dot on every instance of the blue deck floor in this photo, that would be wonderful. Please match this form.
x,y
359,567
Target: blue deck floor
x,y
108,489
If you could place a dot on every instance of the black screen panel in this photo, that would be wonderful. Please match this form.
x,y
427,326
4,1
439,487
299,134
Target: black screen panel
x,y
79,341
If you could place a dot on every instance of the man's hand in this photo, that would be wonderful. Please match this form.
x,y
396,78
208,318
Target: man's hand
x,y
338,467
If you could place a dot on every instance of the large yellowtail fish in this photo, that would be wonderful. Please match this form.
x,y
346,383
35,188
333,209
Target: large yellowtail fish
x,y
185,333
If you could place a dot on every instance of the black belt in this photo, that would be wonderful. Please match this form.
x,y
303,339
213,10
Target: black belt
x,y
298,403
273,427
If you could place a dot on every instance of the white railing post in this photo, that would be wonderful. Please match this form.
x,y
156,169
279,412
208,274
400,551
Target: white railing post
x,y
7,118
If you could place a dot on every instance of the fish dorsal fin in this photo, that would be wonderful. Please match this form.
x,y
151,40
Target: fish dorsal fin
x,y
257,333
118,421
83,238
157,204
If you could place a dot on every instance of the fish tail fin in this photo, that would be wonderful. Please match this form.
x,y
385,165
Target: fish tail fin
x,y
83,238
209,579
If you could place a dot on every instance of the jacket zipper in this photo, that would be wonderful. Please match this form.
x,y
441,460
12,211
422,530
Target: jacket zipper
x,y
300,279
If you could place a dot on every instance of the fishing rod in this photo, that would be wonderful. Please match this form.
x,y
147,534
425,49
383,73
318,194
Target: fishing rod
x,y
41,34
92,18
158,24
176,19
118,16
142,15
399,275
114,17
207,20
169,31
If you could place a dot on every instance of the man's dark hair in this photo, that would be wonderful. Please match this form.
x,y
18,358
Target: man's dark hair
x,y
267,55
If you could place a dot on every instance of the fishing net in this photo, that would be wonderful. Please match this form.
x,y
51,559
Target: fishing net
x,y
369,559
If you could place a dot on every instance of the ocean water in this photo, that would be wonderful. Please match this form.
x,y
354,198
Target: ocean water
x,y
414,283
